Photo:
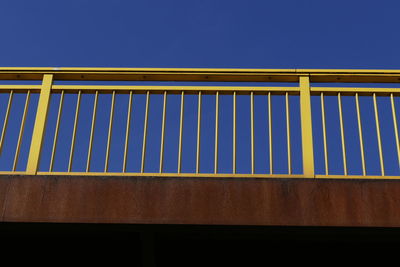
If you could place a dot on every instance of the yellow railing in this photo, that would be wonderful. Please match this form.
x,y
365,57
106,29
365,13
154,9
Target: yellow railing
x,y
302,92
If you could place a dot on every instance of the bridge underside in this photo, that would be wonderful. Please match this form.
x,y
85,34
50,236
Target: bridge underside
x,y
204,201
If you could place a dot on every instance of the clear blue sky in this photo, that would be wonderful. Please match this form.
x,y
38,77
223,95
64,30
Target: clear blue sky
x,y
205,34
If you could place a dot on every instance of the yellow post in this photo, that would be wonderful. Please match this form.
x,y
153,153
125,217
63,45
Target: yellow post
x,y
40,124
306,127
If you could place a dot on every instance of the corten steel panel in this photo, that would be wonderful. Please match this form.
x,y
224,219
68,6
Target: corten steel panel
x,y
200,201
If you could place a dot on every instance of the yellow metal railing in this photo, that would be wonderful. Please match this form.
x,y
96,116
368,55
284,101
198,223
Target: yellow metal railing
x,y
302,88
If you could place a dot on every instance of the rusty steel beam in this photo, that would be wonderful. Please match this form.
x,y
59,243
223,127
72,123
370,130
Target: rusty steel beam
x,y
155,200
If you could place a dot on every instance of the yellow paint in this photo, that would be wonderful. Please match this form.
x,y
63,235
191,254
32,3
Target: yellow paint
x,y
40,125
306,127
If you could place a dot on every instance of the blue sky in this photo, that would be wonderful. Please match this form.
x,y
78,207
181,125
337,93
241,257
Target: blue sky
x,y
204,34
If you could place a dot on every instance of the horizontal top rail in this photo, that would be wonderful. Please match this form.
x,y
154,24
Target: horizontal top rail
x,y
199,74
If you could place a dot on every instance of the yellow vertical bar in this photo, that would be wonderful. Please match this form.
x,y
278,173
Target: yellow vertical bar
x,y
127,131
92,131
110,125
21,131
40,125
360,135
234,134
181,132
288,134
378,133
342,133
71,154
5,124
54,149
324,133
163,132
395,127
216,133
146,117
252,130
271,162
306,127
198,134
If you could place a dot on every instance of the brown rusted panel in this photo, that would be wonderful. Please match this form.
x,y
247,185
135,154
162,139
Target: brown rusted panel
x,y
4,186
200,201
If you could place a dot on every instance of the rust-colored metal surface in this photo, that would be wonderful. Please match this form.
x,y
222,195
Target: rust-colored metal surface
x,y
155,200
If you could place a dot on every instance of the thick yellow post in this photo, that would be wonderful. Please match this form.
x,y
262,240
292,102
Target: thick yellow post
x,y
40,124
306,127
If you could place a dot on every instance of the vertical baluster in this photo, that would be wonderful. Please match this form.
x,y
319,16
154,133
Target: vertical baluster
x,y
378,133
271,162
252,130
360,135
324,134
216,133
198,134
181,132
288,134
110,126
163,132
96,97
342,134
127,132
54,149
146,117
21,131
71,154
234,134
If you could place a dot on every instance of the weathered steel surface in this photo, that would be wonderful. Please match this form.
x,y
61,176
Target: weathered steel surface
x,y
200,201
